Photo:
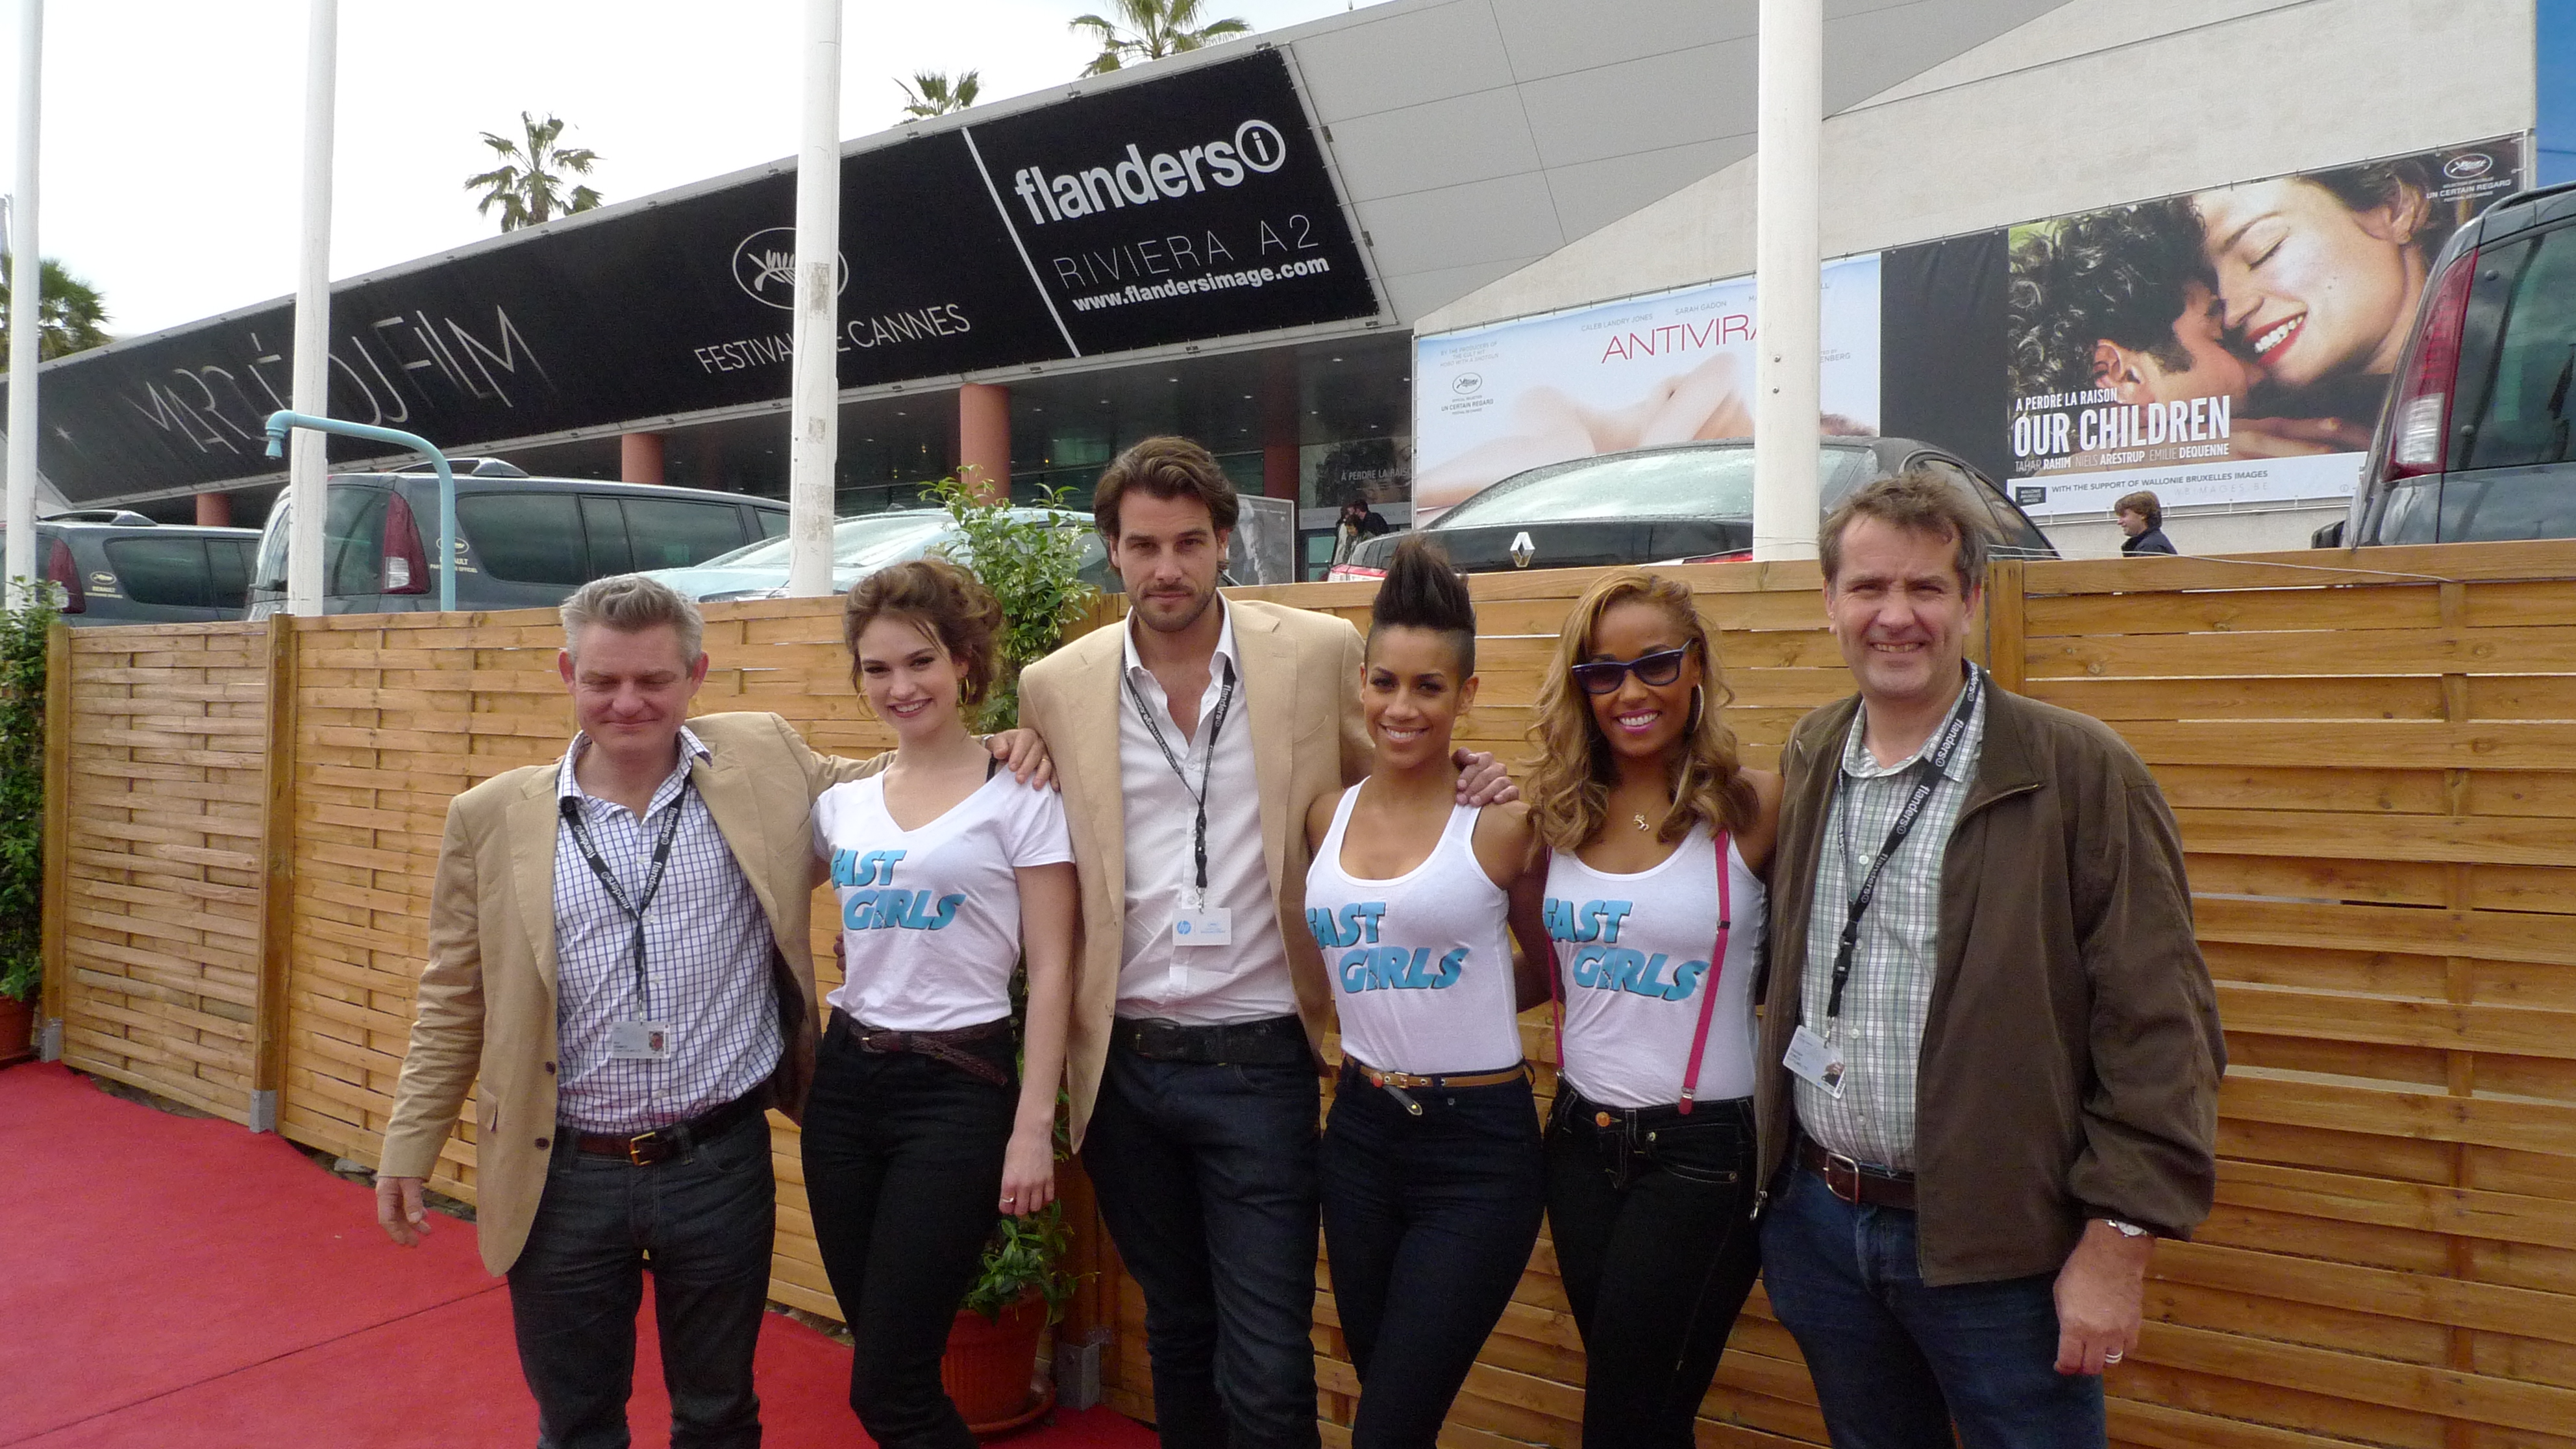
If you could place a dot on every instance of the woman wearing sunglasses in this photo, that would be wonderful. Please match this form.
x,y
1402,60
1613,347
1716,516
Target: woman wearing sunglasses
x,y
1657,841
1430,1170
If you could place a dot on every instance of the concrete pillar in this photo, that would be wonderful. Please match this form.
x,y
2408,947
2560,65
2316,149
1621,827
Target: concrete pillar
x,y
214,510
984,440
639,457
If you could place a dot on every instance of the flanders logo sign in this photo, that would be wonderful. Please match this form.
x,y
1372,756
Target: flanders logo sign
x,y
1140,180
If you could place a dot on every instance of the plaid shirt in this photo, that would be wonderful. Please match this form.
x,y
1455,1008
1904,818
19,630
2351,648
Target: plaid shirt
x,y
1889,992
707,947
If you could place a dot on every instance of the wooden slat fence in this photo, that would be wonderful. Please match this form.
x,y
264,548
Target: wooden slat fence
x,y
2374,765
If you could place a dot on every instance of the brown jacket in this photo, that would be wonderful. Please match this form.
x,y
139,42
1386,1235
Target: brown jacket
x,y
486,1003
2071,1056
1301,679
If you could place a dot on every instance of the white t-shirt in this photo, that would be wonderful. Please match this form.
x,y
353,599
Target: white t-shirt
x,y
1632,964
930,918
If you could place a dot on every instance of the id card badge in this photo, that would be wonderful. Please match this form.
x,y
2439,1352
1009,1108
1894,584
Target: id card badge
x,y
1816,1061
639,1041
1203,926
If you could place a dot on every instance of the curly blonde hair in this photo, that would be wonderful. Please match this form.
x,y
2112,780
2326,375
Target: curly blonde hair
x,y
1568,784
949,604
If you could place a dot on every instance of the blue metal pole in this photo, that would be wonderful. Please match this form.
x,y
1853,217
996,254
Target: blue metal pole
x,y
282,420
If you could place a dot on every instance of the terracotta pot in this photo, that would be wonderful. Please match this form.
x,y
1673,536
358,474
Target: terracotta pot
x,y
17,1025
990,1364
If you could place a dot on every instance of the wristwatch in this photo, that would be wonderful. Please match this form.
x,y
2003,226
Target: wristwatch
x,y
2127,1230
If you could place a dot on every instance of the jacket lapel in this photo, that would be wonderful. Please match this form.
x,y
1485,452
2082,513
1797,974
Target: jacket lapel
x,y
1089,760
735,806
531,822
1269,661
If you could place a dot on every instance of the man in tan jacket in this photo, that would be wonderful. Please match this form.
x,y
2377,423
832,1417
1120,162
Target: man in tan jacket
x,y
1190,742
618,949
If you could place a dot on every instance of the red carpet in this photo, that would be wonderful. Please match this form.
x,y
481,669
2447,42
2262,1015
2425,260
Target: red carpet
x,y
176,1280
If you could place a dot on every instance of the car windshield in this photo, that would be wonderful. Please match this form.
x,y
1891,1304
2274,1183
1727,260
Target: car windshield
x,y
1670,483
867,542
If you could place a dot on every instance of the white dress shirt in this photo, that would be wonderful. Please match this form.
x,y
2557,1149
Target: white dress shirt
x,y
1196,985
707,948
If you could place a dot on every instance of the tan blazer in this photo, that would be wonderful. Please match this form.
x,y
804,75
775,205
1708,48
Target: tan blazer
x,y
486,1005
1301,674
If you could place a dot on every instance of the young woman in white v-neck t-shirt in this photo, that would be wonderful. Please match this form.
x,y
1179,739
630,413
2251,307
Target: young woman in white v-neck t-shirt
x,y
1430,1169
1657,843
919,1133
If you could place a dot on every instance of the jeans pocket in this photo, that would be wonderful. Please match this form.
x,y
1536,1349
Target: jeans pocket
x,y
1713,1154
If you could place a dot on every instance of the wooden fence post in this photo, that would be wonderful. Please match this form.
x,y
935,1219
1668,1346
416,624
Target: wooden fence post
x,y
277,880
2007,624
53,911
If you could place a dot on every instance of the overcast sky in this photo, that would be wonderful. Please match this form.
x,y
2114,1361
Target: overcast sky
x,y
172,128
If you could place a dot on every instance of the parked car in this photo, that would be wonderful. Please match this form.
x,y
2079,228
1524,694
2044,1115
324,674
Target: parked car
x,y
1682,503
860,546
109,566
2474,440
521,542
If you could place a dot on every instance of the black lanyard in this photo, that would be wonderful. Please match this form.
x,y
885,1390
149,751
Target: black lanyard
x,y
1927,772
1215,722
652,884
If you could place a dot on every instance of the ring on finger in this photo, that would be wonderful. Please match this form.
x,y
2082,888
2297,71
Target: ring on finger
x,y
2111,1358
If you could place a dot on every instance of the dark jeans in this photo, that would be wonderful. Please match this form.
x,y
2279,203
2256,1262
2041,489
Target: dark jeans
x,y
1198,1166
903,1164
1652,1217
703,1221
1895,1361
1430,1221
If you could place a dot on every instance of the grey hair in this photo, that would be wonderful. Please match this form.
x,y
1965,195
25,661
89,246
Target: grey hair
x,y
631,604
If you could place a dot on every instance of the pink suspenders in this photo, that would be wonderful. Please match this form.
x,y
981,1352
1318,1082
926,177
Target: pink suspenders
x,y
1707,1001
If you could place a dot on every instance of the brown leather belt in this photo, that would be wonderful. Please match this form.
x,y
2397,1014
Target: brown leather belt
x,y
646,1148
1407,1081
1855,1182
954,1046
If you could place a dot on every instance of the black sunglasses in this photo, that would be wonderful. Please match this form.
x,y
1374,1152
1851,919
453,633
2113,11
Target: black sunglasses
x,y
1601,676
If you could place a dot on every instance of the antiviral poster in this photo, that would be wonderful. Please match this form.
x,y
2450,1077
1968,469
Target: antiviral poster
x,y
1663,368
2232,345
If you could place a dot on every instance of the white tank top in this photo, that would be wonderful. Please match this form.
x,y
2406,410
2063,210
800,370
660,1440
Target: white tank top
x,y
1632,966
1421,964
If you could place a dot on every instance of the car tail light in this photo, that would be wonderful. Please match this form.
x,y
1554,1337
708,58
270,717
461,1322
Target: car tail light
x,y
2420,417
59,571
406,562
1733,556
1353,574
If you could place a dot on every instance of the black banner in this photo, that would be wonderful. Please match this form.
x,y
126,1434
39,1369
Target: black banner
x,y
1191,207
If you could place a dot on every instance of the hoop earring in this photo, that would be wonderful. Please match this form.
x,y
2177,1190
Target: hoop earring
x,y
1699,702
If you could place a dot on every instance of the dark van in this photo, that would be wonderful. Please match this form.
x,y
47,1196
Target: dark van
x,y
521,542
108,566
2474,442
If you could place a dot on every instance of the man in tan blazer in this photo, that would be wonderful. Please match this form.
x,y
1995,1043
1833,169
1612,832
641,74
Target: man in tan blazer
x,y
618,950
1189,743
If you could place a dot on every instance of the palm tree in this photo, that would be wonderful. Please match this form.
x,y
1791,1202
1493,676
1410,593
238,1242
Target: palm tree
x,y
930,93
69,315
528,183
1150,30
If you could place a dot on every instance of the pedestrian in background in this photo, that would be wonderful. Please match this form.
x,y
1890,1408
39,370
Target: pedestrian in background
x,y
2142,524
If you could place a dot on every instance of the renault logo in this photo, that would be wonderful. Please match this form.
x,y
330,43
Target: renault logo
x,y
1522,550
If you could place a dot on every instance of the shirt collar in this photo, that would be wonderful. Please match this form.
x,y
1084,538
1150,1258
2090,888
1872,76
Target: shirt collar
x,y
1962,765
692,750
1224,643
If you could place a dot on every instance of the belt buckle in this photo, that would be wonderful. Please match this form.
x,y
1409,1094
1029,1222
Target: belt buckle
x,y
646,1148
1851,1165
1156,1039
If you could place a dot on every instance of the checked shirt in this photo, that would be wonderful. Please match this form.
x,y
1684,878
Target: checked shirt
x,y
1890,990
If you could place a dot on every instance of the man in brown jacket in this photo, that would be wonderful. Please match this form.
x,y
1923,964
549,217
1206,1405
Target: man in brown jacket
x,y
1993,1047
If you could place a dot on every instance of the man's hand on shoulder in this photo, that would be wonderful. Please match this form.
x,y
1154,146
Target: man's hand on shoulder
x,y
399,1209
2099,1293
1482,780
1024,755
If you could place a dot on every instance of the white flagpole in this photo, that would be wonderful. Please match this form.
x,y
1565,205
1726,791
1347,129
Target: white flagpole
x,y
1790,59
27,271
814,445
307,465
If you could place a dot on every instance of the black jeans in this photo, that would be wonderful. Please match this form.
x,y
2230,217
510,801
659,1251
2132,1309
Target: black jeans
x,y
1652,1216
703,1220
903,1167
1429,1221
1198,1166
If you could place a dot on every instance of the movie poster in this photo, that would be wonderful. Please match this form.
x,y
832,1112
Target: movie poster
x,y
1662,368
2228,346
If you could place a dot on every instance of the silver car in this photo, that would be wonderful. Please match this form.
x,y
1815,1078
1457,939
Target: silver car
x,y
860,546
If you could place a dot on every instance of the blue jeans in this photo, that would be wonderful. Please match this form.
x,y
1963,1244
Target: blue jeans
x,y
1430,1221
1895,1361
1206,1177
703,1221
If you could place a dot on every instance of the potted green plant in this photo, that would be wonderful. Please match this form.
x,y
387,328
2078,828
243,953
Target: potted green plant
x,y
23,633
993,1346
